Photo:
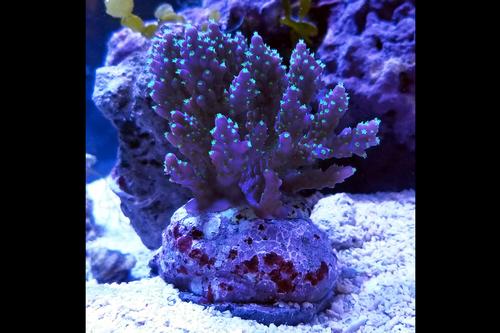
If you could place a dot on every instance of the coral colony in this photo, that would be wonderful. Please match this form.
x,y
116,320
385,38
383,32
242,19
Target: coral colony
x,y
250,131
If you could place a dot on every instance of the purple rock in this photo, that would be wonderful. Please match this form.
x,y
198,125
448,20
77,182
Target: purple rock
x,y
90,226
122,44
263,16
91,231
110,266
370,46
247,265
147,197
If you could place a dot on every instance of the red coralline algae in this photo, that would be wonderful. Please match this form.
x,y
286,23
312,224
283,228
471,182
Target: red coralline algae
x,y
232,254
210,294
182,270
272,259
199,256
176,232
196,234
252,265
122,184
284,275
184,243
224,286
318,275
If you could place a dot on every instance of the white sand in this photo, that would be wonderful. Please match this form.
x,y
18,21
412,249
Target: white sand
x,y
382,225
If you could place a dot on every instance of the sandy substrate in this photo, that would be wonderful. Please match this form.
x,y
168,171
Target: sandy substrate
x,y
373,234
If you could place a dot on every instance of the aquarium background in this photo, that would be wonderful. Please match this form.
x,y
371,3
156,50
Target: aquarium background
x,y
101,138
364,228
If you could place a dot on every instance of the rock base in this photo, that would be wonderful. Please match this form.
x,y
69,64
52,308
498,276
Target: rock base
x,y
280,271
277,314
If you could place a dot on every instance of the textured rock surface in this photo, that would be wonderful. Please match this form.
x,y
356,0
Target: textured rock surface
x,y
115,232
246,264
376,289
147,197
91,231
370,46
263,16
90,228
109,266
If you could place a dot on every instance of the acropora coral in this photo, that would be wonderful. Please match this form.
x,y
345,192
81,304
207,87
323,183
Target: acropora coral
x,y
250,130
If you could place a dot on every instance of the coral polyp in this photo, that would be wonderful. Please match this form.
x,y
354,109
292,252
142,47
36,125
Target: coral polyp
x,y
250,129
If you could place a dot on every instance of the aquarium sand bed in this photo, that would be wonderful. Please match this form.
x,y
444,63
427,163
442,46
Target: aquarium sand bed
x,y
374,235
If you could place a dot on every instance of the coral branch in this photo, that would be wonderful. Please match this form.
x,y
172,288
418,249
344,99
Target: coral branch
x,y
305,73
228,152
316,178
356,141
182,173
270,200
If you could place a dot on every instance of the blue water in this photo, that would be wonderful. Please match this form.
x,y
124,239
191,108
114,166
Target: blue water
x,y
101,137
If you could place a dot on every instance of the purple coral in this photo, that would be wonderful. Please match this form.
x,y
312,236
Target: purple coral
x,y
250,131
